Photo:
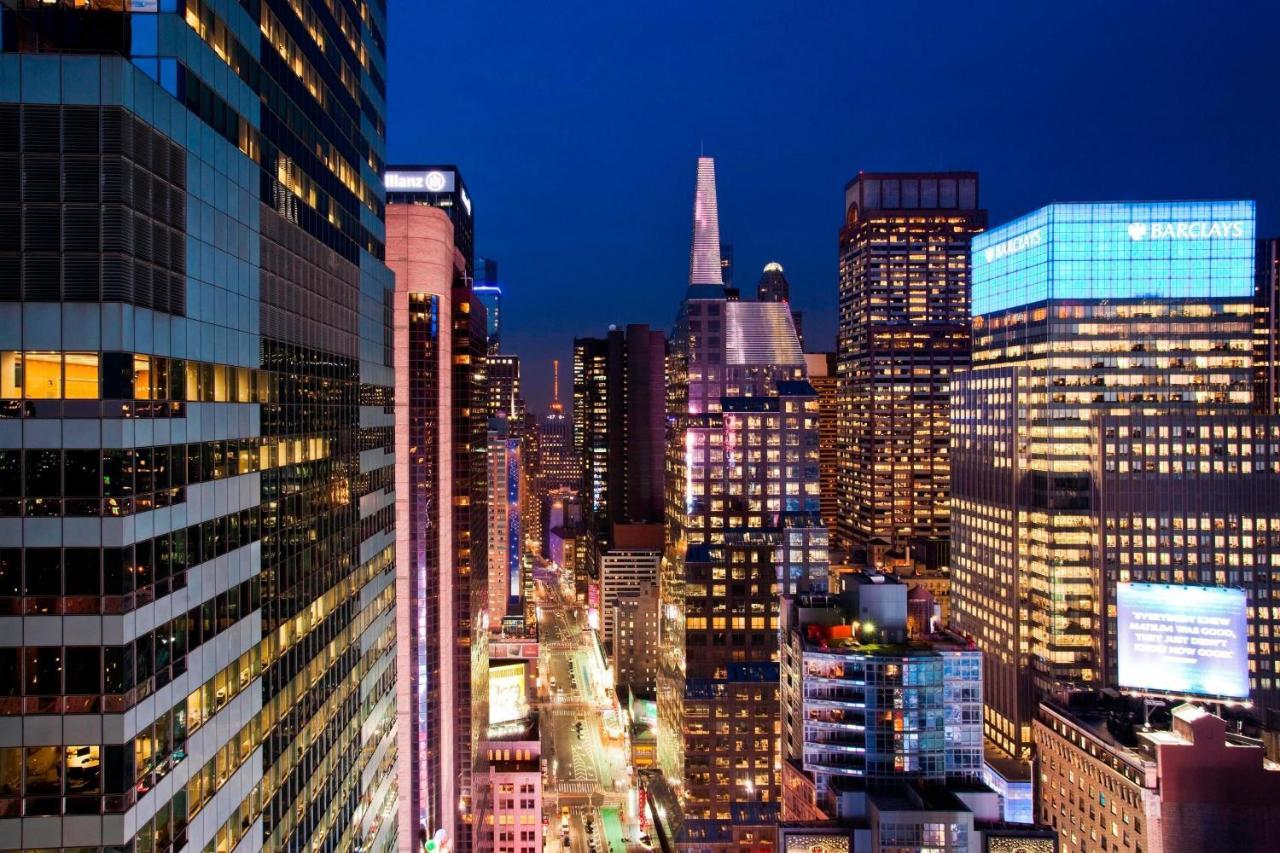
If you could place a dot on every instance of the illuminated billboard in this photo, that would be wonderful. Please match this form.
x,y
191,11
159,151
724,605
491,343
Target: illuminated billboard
x,y
508,699
1185,640
1116,250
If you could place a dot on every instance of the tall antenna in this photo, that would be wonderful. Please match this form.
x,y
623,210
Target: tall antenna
x,y
556,406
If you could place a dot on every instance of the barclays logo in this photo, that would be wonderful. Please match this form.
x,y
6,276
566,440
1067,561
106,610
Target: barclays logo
x,y
1184,230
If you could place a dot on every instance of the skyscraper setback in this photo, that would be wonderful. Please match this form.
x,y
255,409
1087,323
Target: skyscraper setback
x,y
196,337
742,524
903,332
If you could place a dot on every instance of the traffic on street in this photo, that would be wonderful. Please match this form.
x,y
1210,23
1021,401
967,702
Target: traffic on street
x,y
590,794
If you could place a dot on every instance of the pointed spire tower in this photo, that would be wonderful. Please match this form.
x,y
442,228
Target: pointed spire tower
x,y
704,258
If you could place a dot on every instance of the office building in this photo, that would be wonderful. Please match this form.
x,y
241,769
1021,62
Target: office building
x,y
726,266
502,372
903,332
421,253
1107,782
1266,339
465,490
1142,308
742,513
471,547
634,640
489,291
198,455
504,521
1190,499
773,287
619,425
630,561
823,378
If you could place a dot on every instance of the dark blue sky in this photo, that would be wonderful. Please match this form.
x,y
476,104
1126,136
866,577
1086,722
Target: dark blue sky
x,y
576,126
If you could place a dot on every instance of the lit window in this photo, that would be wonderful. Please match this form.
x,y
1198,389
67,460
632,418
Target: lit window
x,y
82,375
42,375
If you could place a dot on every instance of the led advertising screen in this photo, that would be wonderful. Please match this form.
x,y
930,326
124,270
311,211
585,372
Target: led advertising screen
x,y
507,697
1186,640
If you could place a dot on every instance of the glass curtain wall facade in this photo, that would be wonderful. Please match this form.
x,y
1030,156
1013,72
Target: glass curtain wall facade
x,y
470,552
1266,341
198,504
1081,310
903,332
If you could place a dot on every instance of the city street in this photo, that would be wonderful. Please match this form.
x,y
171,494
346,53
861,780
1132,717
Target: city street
x,y
588,767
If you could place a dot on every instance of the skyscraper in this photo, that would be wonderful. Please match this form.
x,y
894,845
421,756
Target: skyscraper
x,y
1266,332
421,253
470,548
903,331
773,286
726,265
560,464
489,291
502,373
742,526
460,566
504,521
619,424
822,376
196,342
1141,308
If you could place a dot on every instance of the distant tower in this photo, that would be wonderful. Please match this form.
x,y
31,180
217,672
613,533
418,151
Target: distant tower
x,y
726,264
556,406
773,286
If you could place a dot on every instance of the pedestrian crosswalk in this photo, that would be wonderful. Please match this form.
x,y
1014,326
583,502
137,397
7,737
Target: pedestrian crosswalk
x,y
576,787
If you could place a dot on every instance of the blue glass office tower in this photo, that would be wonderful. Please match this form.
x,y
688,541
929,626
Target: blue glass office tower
x,y
196,505
1082,312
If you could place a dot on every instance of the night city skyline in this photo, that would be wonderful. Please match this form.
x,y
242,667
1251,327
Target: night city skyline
x,y
574,130
909,481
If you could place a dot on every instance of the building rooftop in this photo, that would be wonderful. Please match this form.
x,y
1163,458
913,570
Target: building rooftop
x,y
1009,768
1117,722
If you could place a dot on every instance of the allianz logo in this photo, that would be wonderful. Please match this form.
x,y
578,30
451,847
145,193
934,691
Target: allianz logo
x,y
1184,230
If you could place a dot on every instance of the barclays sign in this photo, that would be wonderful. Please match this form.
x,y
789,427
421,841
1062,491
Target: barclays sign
x,y
1203,230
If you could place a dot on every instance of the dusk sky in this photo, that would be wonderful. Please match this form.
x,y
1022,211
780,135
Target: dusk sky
x,y
576,126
